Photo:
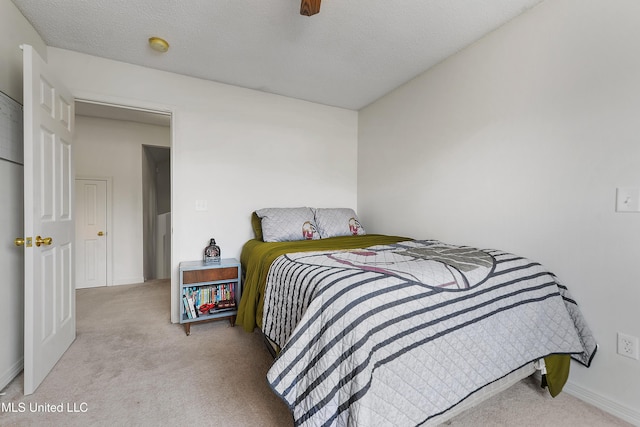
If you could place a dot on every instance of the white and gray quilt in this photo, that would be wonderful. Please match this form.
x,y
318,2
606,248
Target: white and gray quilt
x,y
397,334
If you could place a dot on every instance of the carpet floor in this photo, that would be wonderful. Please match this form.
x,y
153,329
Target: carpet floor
x,y
129,365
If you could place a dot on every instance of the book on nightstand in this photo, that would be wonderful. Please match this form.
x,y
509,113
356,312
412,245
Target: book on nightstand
x,y
223,305
192,308
187,309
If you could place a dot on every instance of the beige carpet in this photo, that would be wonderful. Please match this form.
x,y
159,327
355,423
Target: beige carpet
x,y
130,366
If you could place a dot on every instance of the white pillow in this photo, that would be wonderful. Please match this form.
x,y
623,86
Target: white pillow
x,y
335,222
288,224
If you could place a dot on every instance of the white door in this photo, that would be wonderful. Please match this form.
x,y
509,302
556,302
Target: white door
x,y
49,312
91,233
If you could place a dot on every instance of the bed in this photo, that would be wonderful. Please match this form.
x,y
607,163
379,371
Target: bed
x,y
386,330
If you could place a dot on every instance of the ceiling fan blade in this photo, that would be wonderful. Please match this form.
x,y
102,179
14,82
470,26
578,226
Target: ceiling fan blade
x,y
309,7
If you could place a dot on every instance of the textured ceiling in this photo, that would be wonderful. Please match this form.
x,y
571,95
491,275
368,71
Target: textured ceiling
x,y
350,54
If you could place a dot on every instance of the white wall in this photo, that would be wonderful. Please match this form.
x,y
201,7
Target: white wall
x,y
519,142
113,148
14,30
237,149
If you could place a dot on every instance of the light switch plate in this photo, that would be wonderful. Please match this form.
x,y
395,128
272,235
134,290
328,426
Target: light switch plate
x,y
628,199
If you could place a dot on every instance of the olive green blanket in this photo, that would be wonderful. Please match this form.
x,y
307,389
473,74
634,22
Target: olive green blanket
x,y
557,372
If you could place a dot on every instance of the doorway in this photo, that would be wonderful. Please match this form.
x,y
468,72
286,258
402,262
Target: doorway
x,y
110,145
156,193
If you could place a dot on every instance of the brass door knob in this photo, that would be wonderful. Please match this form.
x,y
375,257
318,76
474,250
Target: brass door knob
x,y
43,241
19,241
100,233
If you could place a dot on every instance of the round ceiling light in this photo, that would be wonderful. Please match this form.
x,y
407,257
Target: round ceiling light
x,y
158,44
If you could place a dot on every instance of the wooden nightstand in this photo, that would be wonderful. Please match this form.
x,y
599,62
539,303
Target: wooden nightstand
x,y
214,285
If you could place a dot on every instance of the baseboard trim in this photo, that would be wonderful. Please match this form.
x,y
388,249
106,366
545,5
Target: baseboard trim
x,y
127,281
11,373
603,403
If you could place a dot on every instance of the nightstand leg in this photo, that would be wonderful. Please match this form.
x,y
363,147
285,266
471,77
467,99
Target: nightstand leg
x,y
187,328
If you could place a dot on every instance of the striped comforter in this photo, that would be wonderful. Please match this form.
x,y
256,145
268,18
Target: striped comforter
x,y
397,334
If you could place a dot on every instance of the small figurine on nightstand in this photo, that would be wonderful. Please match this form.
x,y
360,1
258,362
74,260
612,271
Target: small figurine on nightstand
x,y
212,252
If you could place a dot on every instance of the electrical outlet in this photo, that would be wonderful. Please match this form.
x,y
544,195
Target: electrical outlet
x,y
628,346
201,206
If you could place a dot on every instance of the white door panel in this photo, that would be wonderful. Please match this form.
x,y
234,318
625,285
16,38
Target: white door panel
x,y
49,325
91,233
